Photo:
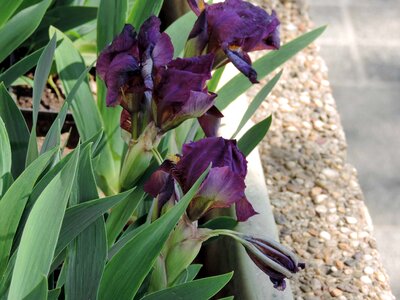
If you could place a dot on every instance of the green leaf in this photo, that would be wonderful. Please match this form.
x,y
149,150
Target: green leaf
x,y
53,294
120,215
39,238
20,27
20,68
87,253
5,280
142,10
124,239
7,10
41,74
5,155
5,182
125,272
17,130
77,218
179,32
70,66
254,136
213,83
255,104
13,203
227,298
40,291
188,275
110,21
200,289
52,138
224,222
264,66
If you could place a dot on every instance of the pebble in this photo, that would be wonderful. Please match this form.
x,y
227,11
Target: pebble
x,y
321,209
319,198
335,292
325,235
366,279
351,220
368,270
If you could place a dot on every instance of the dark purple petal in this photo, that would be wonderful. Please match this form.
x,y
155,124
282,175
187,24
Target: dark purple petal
x,y
197,6
221,188
180,93
277,254
158,179
244,210
163,51
121,68
198,65
241,63
197,156
123,43
174,114
149,33
211,121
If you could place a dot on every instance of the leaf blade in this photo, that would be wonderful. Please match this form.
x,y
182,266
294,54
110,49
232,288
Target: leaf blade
x,y
254,136
20,27
195,290
39,238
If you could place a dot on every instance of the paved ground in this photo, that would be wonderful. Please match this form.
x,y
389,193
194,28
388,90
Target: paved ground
x,y
362,51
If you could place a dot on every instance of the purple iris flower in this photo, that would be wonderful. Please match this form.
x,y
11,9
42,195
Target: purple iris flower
x,y
230,30
223,186
141,76
127,64
273,259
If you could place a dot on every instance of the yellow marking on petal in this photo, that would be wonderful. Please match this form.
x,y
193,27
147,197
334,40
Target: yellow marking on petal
x,y
174,158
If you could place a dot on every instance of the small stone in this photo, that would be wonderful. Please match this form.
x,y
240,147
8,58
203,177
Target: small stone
x,y
335,292
368,270
320,198
364,290
350,262
330,173
381,277
313,242
290,165
316,191
354,235
365,279
351,220
321,209
315,285
325,235
344,246
339,264
333,218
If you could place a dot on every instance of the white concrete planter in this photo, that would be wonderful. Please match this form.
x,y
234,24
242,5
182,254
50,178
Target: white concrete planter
x,y
249,282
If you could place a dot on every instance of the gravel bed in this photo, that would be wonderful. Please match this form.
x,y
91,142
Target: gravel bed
x,y
317,201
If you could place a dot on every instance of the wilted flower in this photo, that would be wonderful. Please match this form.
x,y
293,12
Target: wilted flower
x,y
230,30
273,259
223,186
141,76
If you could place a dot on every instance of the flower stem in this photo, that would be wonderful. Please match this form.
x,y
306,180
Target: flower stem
x,y
157,155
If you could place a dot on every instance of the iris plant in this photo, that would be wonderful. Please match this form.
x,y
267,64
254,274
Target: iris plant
x,y
157,94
